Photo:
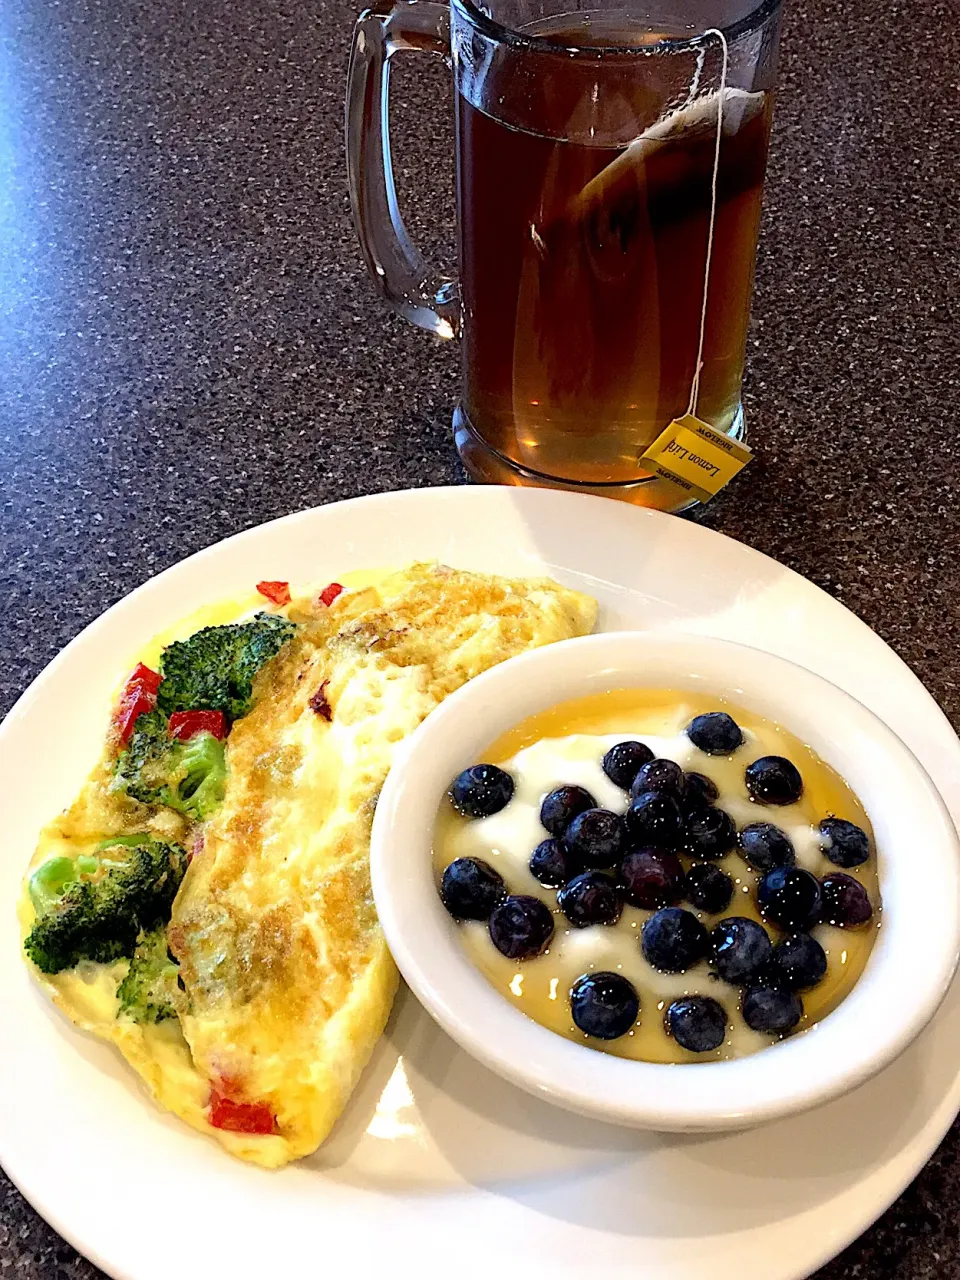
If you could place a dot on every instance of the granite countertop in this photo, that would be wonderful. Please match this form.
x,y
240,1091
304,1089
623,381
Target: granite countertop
x,y
188,345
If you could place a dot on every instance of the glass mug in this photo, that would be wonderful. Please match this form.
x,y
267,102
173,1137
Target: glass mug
x,y
610,165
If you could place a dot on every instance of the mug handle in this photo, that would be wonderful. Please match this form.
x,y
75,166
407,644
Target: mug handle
x,y
423,295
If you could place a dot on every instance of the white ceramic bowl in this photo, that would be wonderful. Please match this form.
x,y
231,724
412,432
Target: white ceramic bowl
x,y
908,971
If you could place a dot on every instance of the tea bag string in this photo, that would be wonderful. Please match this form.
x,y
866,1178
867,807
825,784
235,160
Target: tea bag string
x,y
695,385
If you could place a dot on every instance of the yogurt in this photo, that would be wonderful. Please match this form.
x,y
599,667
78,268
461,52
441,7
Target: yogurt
x,y
566,745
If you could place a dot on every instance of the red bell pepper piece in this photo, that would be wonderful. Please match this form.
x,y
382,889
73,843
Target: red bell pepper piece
x,y
330,593
187,724
139,696
278,592
150,680
240,1117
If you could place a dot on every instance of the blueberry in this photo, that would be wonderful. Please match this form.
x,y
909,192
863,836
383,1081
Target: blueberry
x,y
845,901
659,775
470,889
716,733
741,948
551,864
771,1009
595,838
799,962
710,833
651,878
481,790
765,846
521,926
673,940
604,1005
844,843
790,898
699,792
708,888
773,780
654,818
697,1023
624,761
560,807
590,898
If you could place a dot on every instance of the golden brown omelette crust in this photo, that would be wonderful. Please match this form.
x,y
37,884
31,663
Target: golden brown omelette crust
x,y
287,979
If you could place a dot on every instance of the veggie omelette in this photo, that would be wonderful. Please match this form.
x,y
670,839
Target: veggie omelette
x,y
205,903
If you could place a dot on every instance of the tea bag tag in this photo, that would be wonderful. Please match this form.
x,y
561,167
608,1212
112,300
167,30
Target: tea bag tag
x,y
696,457
690,453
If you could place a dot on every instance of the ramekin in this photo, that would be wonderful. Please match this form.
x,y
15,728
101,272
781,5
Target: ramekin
x,y
905,979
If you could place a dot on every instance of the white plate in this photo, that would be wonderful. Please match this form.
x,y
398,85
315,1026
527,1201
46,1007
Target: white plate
x,y
438,1166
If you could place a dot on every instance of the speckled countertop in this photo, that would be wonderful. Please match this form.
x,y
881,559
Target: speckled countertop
x,y
188,345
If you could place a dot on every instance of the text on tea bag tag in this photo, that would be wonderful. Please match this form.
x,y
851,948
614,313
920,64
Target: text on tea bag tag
x,y
690,452
696,457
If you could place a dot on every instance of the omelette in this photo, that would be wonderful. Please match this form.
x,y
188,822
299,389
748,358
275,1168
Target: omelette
x,y
205,903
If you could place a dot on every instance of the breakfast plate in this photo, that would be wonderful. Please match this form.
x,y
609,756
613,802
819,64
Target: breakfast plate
x,y
438,1163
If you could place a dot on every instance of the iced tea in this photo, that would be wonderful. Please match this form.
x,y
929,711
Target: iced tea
x,y
583,271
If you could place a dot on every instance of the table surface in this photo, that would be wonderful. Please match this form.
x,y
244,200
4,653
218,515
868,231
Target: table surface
x,y
189,346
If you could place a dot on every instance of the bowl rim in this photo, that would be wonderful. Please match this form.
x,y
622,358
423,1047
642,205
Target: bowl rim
x,y
835,1055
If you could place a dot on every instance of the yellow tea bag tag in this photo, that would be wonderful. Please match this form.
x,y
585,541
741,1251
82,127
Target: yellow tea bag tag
x,y
696,457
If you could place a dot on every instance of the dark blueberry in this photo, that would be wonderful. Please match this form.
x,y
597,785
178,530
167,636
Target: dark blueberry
x,y
741,948
659,775
521,926
654,818
790,898
771,1009
697,1023
560,807
699,792
470,889
481,790
765,846
710,833
845,901
551,864
624,761
590,898
673,940
844,843
708,888
773,780
799,962
651,878
595,838
604,1005
716,733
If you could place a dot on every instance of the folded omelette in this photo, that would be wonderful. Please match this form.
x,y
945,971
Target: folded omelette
x,y
205,903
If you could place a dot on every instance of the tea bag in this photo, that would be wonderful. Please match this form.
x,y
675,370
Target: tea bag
x,y
690,452
615,204
734,106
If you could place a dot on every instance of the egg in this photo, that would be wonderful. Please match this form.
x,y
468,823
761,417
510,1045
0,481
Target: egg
x,y
287,981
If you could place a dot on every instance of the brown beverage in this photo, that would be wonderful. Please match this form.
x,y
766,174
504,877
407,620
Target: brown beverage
x,y
582,272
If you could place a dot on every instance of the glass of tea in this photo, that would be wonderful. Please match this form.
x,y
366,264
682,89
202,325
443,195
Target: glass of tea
x,y
610,165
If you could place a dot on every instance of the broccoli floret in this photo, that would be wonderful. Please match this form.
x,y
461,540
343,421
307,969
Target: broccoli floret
x,y
156,769
99,917
204,768
214,669
48,882
146,993
143,767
